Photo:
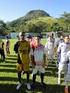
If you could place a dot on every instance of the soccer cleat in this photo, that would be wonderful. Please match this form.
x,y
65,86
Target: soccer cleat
x,y
28,86
18,86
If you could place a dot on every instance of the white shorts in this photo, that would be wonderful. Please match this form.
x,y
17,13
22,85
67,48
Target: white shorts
x,y
39,69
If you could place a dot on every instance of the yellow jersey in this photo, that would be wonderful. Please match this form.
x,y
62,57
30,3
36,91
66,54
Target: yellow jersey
x,y
23,51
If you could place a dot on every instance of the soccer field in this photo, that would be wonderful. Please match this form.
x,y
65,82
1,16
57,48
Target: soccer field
x,y
8,77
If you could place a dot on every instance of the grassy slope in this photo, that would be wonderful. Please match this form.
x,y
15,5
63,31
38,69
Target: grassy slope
x,y
8,77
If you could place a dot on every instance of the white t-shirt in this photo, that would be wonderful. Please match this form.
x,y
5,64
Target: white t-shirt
x,y
63,48
39,54
49,46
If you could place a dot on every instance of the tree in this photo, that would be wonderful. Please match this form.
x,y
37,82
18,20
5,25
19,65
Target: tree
x,y
66,17
3,28
56,27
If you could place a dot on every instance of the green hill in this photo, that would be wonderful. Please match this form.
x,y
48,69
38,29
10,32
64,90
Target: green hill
x,y
35,14
23,22
39,21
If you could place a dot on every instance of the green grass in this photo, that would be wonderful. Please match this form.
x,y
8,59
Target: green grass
x,y
8,77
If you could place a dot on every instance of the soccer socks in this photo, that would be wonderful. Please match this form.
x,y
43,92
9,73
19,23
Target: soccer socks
x,y
59,76
42,78
27,77
19,77
28,85
34,78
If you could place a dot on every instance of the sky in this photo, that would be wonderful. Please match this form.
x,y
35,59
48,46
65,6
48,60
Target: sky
x,y
13,9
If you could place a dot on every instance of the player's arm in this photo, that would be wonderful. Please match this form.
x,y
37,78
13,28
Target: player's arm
x,y
16,47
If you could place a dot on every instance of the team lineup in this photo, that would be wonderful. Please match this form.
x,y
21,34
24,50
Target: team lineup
x,y
32,52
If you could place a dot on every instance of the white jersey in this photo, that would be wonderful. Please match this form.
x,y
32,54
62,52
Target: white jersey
x,y
49,46
63,48
58,41
39,54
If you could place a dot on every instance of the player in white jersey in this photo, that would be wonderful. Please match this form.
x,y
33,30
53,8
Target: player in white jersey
x,y
38,59
63,48
67,76
49,46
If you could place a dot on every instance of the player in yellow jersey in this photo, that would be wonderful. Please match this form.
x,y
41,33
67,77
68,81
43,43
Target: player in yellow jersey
x,y
22,48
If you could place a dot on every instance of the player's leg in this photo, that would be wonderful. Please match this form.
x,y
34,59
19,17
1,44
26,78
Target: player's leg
x,y
59,76
26,68
19,76
60,67
34,72
42,78
42,71
28,84
34,75
19,70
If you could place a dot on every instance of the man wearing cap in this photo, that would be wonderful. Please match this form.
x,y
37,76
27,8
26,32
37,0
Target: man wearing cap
x,y
22,48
